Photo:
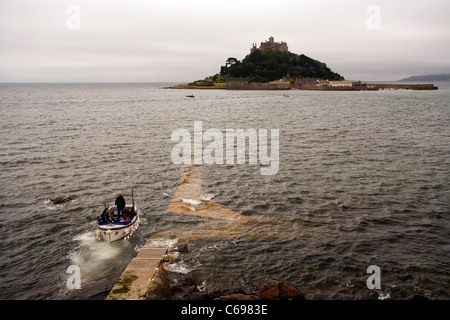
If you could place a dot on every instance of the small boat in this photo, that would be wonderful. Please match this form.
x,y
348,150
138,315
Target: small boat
x,y
112,231
115,228
190,96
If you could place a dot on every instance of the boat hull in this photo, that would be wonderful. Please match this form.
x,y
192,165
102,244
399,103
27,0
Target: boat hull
x,y
118,230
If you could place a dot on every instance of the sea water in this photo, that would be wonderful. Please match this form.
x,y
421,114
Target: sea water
x,y
363,180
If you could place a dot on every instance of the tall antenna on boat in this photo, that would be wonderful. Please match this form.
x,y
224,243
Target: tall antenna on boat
x,y
132,196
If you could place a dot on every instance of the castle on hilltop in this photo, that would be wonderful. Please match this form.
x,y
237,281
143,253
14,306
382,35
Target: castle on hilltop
x,y
271,46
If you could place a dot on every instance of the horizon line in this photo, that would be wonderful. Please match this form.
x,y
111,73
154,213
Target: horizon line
x,y
143,82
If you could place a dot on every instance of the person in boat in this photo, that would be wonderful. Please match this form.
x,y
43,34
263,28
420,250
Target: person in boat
x,y
105,217
127,219
132,213
120,203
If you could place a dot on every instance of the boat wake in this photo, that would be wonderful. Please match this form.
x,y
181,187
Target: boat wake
x,y
97,258
100,264
92,251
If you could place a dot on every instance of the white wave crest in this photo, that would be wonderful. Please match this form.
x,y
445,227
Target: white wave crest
x,y
183,266
161,243
192,202
206,196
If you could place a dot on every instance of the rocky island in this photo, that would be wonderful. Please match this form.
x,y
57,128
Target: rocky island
x,y
271,66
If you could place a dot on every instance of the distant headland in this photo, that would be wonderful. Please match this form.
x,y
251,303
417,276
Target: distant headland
x,y
429,77
271,66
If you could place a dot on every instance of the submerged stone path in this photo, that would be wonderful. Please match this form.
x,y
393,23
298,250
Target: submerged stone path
x,y
136,278
140,273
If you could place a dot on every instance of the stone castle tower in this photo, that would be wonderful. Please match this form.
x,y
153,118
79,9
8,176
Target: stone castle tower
x,y
271,46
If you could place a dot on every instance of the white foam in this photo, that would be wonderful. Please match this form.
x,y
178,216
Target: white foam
x,y
206,196
191,201
384,297
161,243
86,237
177,268
49,205
183,266
92,255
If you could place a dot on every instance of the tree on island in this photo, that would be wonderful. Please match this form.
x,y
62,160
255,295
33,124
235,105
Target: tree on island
x,y
266,66
229,63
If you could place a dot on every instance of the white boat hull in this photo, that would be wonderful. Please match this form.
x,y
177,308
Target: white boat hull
x,y
116,231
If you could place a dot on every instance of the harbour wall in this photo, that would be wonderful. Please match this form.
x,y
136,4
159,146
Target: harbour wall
x,y
324,88
260,86
424,86
288,86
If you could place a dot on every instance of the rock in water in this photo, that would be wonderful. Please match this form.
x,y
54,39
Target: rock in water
x,y
182,248
280,289
60,200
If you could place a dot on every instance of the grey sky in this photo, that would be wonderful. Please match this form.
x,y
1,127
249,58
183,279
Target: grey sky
x,y
127,41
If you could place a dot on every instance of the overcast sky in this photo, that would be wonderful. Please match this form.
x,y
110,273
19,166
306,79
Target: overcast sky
x,y
147,41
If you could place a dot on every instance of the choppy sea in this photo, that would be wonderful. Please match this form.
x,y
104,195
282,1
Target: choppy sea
x,y
363,180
